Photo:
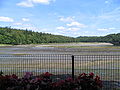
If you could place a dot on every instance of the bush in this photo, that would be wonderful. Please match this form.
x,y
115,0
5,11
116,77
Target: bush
x,y
44,82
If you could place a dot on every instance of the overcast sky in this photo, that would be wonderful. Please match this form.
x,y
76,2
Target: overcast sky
x,y
64,17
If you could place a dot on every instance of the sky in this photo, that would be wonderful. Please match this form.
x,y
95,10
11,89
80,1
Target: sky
x,y
62,17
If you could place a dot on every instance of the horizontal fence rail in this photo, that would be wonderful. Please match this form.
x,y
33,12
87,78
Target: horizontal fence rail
x,y
106,66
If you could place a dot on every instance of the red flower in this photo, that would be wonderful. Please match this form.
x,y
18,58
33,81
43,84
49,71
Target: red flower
x,y
69,79
7,76
82,75
97,78
60,83
47,74
38,79
91,75
14,76
98,81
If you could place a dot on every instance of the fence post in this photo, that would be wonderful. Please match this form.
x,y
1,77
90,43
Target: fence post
x,y
73,66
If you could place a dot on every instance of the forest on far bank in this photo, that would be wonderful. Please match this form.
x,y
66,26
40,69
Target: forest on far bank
x,y
18,37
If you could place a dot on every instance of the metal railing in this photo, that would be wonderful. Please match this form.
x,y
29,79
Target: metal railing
x,y
106,66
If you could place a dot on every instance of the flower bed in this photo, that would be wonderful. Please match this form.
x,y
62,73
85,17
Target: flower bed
x,y
44,82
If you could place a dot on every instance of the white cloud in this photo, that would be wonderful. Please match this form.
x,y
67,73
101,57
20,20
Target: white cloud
x,y
26,3
30,3
112,28
61,28
106,2
72,26
67,29
73,29
76,24
106,29
68,19
110,16
6,19
42,1
25,19
17,23
28,24
102,29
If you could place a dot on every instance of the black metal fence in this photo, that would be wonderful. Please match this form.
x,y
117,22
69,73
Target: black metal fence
x,y
106,66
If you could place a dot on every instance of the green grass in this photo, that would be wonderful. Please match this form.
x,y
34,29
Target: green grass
x,y
5,45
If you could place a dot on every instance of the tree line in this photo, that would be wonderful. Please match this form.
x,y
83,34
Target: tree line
x,y
13,36
18,37
111,38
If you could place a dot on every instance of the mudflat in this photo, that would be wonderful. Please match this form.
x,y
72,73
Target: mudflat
x,y
62,48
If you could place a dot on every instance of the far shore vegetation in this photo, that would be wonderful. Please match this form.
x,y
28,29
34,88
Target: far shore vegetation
x,y
11,36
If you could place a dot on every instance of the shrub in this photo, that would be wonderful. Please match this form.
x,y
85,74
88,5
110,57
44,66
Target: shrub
x,y
44,82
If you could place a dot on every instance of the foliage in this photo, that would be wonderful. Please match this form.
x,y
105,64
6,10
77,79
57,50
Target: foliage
x,y
44,82
17,36
111,38
91,39
114,39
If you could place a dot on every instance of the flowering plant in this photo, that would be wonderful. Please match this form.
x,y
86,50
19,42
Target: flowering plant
x,y
88,82
44,82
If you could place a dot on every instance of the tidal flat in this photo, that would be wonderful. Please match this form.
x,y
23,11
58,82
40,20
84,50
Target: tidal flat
x,y
62,48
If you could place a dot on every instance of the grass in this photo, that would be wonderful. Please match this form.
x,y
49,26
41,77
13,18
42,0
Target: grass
x,y
5,45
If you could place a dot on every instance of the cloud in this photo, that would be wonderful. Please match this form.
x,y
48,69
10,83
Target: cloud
x,y
68,19
31,3
6,19
61,28
42,1
73,29
25,19
72,26
26,3
102,29
113,15
106,2
106,29
67,29
17,23
106,19
109,2
112,28
77,24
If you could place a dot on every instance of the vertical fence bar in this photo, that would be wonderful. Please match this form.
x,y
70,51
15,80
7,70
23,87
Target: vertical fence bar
x,y
73,66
